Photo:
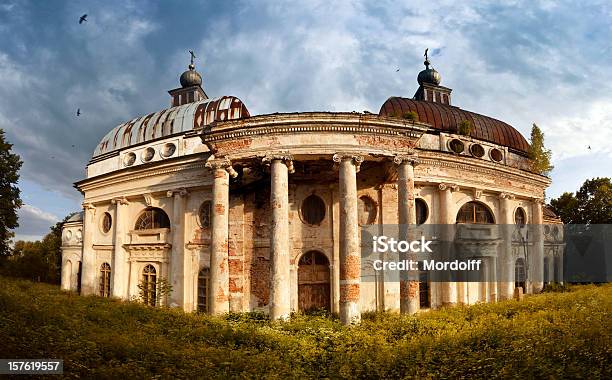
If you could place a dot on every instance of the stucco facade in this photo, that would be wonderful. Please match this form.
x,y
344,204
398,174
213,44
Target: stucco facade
x,y
262,209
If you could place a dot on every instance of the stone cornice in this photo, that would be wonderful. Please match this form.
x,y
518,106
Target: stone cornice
x,y
314,122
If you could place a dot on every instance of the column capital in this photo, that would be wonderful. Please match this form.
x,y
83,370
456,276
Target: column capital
x,y
285,157
448,186
88,206
355,159
222,163
538,200
409,159
182,192
507,196
120,201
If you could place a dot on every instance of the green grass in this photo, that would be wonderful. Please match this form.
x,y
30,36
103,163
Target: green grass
x,y
552,335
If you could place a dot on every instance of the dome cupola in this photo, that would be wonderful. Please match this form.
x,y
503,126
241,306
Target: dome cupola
x,y
191,86
429,85
191,77
429,75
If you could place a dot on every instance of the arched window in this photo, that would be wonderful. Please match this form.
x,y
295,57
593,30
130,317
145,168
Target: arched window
x,y
149,285
105,280
475,212
422,211
519,217
519,274
546,275
313,282
152,218
367,210
204,214
203,282
313,210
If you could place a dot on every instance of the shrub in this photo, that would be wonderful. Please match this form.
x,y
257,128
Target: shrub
x,y
465,128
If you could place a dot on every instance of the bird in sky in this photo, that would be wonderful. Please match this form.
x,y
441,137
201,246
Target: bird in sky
x,y
589,147
83,18
397,70
78,112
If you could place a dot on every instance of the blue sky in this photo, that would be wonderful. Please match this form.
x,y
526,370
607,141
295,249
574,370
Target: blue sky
x,y
521,62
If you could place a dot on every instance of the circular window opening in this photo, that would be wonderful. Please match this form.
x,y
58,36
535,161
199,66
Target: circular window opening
x,y
555,232
547,230
496,154
168,150
367,210
313,210
204,214
148,154
422,211
129,159
107,222
477,150
68,235
456,146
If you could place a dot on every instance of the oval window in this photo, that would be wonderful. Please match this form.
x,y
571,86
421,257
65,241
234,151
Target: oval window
x,y
422,211
477,150
148,154
129,159
107,222
168,150
204,214
313,210
496,155
456,146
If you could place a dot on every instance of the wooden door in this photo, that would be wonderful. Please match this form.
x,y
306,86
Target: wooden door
x,y
313,282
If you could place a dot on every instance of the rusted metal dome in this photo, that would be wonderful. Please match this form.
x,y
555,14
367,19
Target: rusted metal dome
x,y
447,118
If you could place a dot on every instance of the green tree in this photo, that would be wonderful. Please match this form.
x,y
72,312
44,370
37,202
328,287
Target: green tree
x,y
465,128
592,204
10,163
539,155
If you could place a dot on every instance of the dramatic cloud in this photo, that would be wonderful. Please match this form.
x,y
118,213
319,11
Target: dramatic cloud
x,y
522,62
33,223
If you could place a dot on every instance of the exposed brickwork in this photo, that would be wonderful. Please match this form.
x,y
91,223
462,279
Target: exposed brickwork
x,y
352,269
349,293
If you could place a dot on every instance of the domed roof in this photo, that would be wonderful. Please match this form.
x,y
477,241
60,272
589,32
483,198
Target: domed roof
x,y
171,121
191,77
446,118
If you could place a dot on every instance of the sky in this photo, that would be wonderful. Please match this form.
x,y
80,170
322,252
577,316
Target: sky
x,y
521,62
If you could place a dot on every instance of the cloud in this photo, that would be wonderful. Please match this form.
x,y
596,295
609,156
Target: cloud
x,y
34,223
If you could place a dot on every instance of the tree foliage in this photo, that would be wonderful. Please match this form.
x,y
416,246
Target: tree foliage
x,y
592,204
465,128
539,155
10,200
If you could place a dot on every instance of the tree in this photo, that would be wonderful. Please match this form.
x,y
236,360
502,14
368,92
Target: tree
x,y
592,204
539,155
10,163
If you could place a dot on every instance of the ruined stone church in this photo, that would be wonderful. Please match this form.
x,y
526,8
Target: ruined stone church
x,y
240,212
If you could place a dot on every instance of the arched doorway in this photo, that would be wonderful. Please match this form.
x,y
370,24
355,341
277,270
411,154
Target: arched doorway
x,y
313,282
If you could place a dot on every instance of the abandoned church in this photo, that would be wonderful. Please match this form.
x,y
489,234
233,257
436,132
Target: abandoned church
x,y
239,212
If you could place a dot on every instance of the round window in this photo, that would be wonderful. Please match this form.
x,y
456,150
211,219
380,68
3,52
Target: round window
x,y
129,159
496,154
168,150
456,146
367,210
477,150
313,210
147,154
107,222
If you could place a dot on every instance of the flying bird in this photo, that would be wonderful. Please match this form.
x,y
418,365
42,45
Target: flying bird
x,y
83,18
589,147
397,70
78,112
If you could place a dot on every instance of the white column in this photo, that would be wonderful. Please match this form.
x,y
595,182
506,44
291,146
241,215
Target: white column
x,y
178,273
447,217
88,270
350,255
219,249
409,282
280,291
505,264
119,275
537,257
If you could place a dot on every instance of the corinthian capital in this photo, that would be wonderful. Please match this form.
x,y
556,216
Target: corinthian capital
x,y
222,163
120,201
285,157
448,186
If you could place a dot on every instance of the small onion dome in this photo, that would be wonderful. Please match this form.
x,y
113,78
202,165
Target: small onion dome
x,y
191,77
428,75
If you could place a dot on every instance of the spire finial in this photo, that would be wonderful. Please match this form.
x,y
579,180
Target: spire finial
x,y
193,57
426,59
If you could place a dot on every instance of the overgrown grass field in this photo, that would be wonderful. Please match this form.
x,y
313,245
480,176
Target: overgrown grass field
x,y
551,335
